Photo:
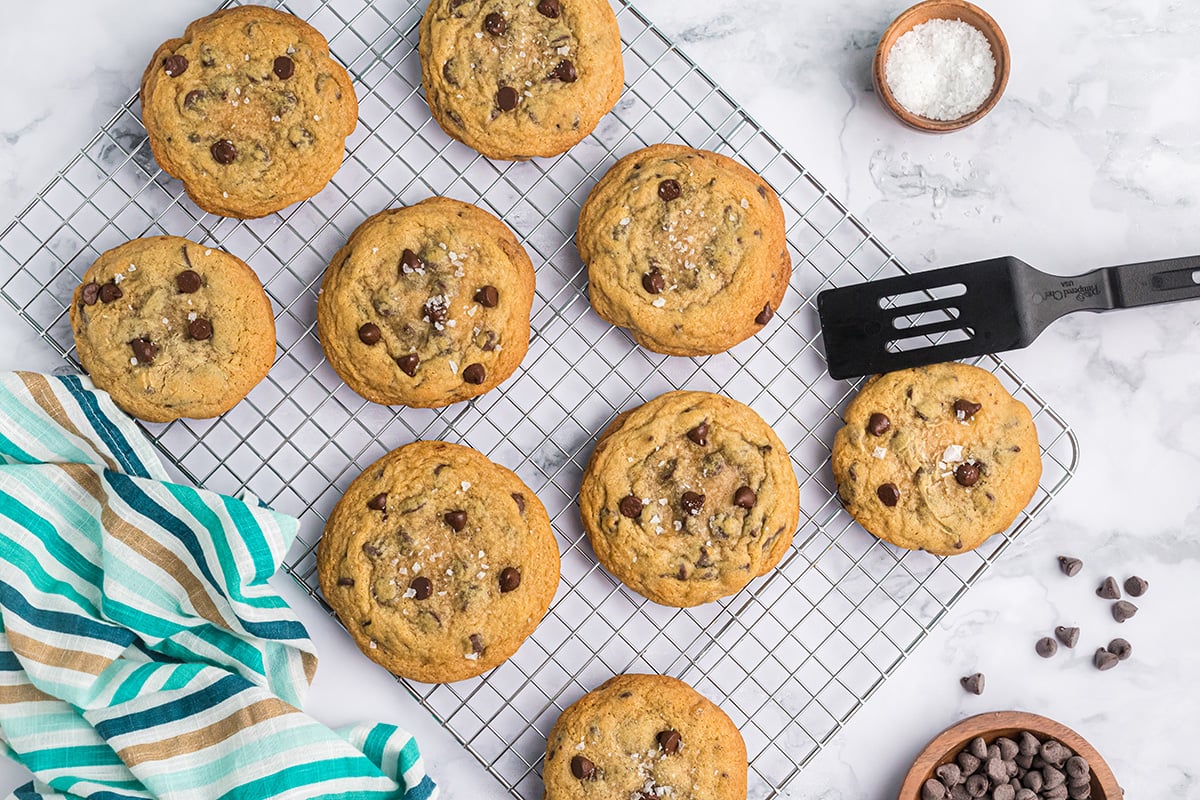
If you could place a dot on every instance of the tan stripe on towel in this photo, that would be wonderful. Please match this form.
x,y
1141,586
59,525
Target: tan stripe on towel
x,y
22,693
217,732
38,651
43,394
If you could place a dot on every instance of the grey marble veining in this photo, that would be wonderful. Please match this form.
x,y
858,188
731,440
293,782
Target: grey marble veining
x,y
1092,158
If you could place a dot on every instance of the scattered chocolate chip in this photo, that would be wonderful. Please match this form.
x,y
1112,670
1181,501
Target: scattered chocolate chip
x,y
188,282
549,8
422,588
507,98
345,582
487,296
110,292
1123,610
965,409
581,767
654,282
565,72
745,497
410,262
144,350
1069,566
973,684
1068,636
1120,648
1108,589
90,293
1046,647
631,507
223,151
378,502
474,374
1104,660
369,333
765,316
669,190
967,474
284,67
889,494
175,66
1135,586
457,520
692,503
408,364
669,741
878,424
495,24
510,579
519,499
200,329
699,434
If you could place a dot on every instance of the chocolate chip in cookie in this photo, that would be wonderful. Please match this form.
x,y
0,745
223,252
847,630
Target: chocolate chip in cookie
x,y
188,282
200,329
507,98
631,506
670,741
510,579
457,520
175,65
745,497
487,296
766,315
369,333
878,424
284,67
654,282
699,434
144,350
495,24
581,767
692,503
90,294
888,494
965,409
967,474
410,262
421,587
408,364
378,502
669,190
549,8
475,374
224,151
565,72
110,293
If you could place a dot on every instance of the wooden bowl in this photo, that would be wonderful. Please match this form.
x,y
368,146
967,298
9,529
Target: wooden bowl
x,y
941,9
946,745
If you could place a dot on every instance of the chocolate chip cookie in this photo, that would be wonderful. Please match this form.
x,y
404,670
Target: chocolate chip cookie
x,y
936,458
689,497
439,562
427,305
643,737
249,110
171,328
685,248
515,79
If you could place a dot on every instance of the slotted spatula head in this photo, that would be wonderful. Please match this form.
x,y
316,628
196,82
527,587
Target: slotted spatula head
x,y
928,317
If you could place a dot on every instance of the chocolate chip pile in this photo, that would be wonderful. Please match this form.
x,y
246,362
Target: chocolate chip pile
x,y
1025,768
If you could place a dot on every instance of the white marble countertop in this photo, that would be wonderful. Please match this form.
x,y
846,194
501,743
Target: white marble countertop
x,y
1092,158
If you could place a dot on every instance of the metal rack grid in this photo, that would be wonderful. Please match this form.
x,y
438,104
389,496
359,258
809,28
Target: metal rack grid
x,y
792,657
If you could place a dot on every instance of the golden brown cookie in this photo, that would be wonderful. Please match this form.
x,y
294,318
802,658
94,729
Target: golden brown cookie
x,y
689,497
249,110
936,458
439,562
642,737
685,248
427,305
516,79
171,328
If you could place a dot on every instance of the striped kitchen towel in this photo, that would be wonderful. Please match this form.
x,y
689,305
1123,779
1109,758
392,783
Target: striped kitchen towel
x,y
142,652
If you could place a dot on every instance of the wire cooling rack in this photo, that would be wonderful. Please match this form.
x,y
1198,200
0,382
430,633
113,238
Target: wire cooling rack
x,y
792,657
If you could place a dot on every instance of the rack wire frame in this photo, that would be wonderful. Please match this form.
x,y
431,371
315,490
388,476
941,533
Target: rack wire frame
x,y
792,657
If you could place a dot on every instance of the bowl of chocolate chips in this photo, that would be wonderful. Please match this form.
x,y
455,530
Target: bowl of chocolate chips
x,y
1009,755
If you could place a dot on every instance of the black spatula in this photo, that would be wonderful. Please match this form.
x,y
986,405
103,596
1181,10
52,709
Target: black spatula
x,y
976,309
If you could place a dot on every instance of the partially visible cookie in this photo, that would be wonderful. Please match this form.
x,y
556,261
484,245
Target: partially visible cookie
x,y
171,328
685,248
439,562
516,79
936,458
427,305
689,497
643,737
249,110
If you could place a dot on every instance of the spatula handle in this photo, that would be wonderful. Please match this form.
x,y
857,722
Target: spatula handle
x,y
1154,282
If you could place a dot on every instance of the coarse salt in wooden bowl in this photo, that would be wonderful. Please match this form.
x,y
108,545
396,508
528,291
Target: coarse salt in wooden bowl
x,y
950,10
991,726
